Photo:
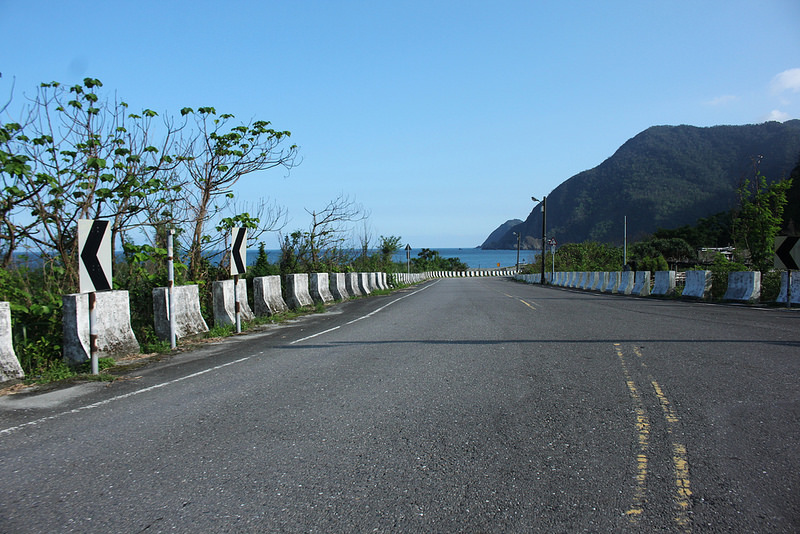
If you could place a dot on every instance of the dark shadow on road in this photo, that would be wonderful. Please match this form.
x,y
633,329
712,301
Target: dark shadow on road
x,y
536,342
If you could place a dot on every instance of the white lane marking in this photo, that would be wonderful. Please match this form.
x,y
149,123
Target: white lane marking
x,y
9,430
120,397
370,314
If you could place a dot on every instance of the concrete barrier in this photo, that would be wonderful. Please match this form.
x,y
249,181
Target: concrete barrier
x,y
698,284
595,282
267,296
319,287
297,295
664,283
626,281
743,286
363,283
338,286
588,278
384,284
188,320
795,289
612,282
641,284
352,285
115,336
224,304
10,368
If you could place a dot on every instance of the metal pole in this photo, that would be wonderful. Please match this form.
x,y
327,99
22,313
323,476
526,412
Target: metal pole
x,y
171,290
789,289
625,243
237,306
93,333
544,233
519,237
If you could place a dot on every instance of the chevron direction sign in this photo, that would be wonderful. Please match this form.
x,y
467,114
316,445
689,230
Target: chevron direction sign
x,y
238,251
787,253
94,245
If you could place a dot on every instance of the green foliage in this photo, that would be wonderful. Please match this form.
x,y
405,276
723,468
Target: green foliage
x,y
760,218
35,314
720,270
770,286
656,254
262,266
431,260
587,256
712,232
389,245
224,330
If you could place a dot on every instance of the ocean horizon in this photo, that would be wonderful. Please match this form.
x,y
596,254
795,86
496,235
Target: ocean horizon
x,y
474,258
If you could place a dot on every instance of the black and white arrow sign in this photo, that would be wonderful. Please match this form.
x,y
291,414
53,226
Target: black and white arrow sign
x,y
238,251
787,253
94,243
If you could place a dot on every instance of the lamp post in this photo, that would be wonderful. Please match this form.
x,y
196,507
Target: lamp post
x,y
519,236
544,231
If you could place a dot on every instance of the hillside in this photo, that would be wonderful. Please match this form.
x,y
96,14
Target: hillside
x,y
664,177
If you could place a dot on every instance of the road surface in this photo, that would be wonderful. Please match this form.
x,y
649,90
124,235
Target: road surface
x,y
459,405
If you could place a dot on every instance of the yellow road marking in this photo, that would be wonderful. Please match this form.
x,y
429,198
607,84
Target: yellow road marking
x,y
643,436
519,299
680,461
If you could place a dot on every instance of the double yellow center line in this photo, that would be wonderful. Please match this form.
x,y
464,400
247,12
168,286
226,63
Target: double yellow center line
x,y
680,463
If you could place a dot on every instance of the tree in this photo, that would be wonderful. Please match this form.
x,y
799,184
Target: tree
x,y
216,158
431,260
88,159
760,218
323,243
14,173
388,247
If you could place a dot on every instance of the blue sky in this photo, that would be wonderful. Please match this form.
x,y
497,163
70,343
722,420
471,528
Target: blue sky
x,y
441,118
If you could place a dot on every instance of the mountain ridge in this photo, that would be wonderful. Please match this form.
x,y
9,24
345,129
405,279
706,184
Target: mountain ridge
x,y
663,177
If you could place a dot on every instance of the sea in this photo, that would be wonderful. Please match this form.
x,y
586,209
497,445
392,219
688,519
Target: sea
x,y
475,258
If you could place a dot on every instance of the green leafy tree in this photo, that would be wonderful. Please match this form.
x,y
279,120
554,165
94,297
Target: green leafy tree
x,y
89,159
262,266
388,247
14,175
587,256
431,260
760,218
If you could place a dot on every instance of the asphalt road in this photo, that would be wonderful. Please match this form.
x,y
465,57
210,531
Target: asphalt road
x,y
474,405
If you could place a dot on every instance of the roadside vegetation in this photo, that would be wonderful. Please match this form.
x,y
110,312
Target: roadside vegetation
x,y
747,233
76,152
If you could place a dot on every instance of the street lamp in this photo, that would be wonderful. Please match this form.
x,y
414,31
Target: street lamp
x,y
518,239
544,230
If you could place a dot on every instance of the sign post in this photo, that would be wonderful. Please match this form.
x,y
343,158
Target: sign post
x,y
552,243
408,259
787,256
94,272
238,266
171,289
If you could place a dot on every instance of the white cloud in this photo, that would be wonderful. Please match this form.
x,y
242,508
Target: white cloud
x,y
788,80
722,100
777,115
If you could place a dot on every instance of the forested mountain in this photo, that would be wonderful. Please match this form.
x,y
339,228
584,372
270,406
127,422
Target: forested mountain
x,y
664,177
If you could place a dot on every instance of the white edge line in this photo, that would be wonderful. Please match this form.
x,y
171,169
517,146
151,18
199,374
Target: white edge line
x,y
119,397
